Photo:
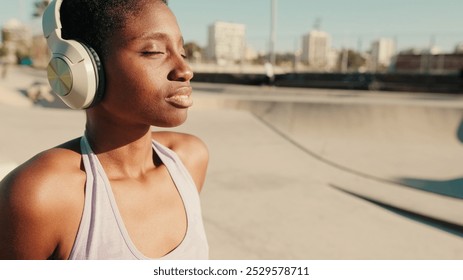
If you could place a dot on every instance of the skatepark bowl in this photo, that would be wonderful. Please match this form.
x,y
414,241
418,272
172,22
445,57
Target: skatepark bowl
x,y
301,173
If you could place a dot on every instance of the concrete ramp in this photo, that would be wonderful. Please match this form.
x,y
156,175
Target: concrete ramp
x,y
402,143
400,152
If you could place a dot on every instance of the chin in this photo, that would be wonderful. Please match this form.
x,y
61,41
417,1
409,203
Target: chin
x,y
171,122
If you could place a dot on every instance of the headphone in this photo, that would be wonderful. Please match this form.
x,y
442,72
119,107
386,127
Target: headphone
x,y
75,72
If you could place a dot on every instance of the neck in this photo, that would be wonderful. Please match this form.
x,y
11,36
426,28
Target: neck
x,y
124,150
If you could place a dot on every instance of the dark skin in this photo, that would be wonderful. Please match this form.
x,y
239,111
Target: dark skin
x,y
148,84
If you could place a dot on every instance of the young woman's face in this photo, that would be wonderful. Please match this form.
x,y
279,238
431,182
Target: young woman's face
x,y
147,76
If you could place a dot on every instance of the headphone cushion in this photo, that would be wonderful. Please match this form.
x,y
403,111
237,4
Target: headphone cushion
x,y
99,72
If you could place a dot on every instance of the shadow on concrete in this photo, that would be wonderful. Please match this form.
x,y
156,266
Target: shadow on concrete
x,y
55,104
436,223
452,187
40,94
460,132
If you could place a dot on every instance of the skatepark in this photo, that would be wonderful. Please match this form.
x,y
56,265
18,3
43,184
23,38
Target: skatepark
x,y
298,173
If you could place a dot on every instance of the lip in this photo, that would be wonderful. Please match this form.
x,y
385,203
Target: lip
x,y
181,98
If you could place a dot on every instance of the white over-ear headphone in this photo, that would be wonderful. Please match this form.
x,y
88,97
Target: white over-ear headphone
x,y
75,72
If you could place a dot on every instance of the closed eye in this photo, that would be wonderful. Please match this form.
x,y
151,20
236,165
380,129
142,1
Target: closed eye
x,y
151,53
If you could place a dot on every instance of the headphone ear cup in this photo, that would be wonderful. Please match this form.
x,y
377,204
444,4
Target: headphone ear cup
x,y
74,73
99,72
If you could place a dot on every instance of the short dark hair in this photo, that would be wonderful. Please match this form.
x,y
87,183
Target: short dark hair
x,y
92,22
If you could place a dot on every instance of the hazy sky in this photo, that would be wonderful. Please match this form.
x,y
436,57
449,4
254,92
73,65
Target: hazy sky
x,y
351,23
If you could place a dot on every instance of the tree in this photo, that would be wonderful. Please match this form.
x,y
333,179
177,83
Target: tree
x,y
355,60
193,51
40,7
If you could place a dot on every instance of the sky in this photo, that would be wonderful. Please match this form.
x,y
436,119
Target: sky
x,y
351,23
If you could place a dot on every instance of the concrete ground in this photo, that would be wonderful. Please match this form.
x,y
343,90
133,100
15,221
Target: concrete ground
x,y
299,173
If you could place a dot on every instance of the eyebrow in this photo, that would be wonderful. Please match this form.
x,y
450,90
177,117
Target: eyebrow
x,y
153,36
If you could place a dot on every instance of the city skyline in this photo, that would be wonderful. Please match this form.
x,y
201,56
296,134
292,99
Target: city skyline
x,y
351,24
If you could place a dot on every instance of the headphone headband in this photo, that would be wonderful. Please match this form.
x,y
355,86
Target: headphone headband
x,y
51,19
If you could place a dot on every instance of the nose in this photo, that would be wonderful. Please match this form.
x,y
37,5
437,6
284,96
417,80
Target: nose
x,y
181,70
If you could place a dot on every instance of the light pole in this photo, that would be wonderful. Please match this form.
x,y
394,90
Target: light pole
x,y
273,32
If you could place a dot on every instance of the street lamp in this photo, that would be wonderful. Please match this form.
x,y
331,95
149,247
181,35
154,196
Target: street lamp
x,y
273,32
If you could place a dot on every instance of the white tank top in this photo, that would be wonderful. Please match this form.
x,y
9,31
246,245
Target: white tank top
x,y
102,234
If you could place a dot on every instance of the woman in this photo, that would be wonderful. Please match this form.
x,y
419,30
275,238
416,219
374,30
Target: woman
x,y
121,191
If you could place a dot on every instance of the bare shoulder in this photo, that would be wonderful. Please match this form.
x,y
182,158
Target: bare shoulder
x,y
38,200
191,150
181,142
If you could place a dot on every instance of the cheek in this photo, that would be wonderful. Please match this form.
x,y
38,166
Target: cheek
x,y
137,91
123,76
130,83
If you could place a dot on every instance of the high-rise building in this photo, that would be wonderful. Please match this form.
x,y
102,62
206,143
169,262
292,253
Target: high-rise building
x,y
227,42
382,51
316,46
459,48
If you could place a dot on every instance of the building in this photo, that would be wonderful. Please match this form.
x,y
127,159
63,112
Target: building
x,y
459,48
316,49
227,42
427,63
382,52
17,41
